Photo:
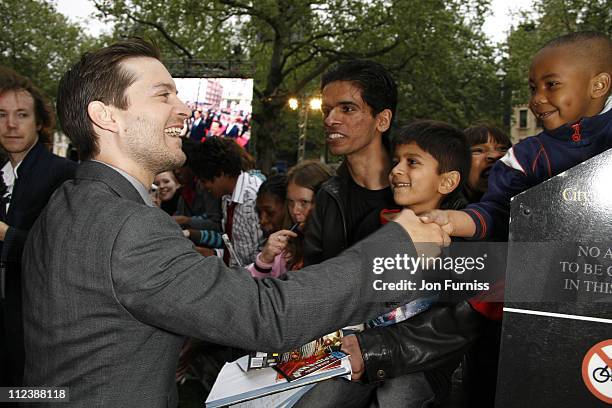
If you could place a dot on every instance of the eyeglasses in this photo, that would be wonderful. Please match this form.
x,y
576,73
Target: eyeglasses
x,y
301,204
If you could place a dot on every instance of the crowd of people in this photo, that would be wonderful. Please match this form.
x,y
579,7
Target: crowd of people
x,y
115,290
204,123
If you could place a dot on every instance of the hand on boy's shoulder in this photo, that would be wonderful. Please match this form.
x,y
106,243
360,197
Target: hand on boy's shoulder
x,y
427,238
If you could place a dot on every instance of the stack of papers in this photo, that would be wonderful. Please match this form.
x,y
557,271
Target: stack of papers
x,y
263,387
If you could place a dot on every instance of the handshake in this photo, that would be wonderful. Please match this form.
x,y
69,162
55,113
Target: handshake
x,y
430,231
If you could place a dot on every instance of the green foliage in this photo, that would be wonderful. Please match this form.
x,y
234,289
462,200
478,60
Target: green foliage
x,y
551,18
443,64
444,67
39,42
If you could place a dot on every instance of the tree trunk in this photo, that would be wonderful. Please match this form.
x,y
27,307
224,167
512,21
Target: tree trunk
x,y
265,134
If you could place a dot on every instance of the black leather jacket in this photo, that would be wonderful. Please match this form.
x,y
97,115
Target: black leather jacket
x,y
328,220
433,341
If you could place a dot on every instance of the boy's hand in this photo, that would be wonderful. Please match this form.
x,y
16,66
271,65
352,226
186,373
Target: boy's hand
x,y
454,223
439,217
427,238
350,346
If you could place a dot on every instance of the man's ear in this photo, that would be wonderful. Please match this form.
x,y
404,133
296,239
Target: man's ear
x,y
102,116
383,120
449,181
600,85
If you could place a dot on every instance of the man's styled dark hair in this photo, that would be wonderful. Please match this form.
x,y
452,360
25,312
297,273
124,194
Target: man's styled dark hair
x,y
479,134
12,81
446,143
97,76
378,88
217,156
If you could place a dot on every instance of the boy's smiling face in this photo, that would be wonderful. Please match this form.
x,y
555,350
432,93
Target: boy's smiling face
x,y
561,87
415,179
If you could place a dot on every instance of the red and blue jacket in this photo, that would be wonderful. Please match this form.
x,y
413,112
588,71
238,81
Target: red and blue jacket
x,y
534,160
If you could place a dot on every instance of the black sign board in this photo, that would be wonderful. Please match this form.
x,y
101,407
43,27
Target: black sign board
x,y
556,348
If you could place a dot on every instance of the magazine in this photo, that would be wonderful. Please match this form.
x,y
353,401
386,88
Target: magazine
x,y
296,369
234,385
259,359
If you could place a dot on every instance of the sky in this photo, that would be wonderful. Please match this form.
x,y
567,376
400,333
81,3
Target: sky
x,y
496,26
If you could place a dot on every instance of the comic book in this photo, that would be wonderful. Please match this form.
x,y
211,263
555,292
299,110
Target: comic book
x,y
328,343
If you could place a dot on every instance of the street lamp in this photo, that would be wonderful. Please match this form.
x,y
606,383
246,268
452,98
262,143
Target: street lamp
x,y
505,97
293,103
315,105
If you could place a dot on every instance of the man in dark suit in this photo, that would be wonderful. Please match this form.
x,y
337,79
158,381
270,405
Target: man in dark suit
x,y
115,285
28,179
198,127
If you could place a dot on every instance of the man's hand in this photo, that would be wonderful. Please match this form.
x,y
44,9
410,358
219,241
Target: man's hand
x,y
182,219
350,346
3,229
427,238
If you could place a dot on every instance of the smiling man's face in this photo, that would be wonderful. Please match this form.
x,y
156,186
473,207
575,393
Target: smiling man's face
x,y
150,126
350,125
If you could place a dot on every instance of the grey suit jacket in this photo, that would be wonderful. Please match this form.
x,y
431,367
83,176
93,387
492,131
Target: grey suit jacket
x,y
111,287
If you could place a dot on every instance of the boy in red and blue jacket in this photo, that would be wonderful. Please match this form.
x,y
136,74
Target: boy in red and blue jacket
x,y
570,81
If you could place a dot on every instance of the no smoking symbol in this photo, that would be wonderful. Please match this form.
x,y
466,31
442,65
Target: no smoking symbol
x,y
597,370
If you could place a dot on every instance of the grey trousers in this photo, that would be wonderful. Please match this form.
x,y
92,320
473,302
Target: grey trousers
x,y
407,391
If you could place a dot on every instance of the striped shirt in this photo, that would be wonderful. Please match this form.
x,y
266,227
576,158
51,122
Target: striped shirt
x,y
247,235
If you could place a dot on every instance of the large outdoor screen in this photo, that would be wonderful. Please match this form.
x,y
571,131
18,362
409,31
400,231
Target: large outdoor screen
x,y
225,103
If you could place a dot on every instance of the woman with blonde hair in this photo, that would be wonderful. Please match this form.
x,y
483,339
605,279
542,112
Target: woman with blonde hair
x,y
284,248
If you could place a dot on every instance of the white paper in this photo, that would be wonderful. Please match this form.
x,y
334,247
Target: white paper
x,y
235,385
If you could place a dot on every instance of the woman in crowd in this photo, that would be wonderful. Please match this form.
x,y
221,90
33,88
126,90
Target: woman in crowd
x,y
488,144
270,204
168,191
284,248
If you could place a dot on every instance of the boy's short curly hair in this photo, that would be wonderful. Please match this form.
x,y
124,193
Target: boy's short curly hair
x,y
215,157
590,48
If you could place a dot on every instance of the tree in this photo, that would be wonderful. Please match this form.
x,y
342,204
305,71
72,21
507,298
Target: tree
x,y
551,18
292,42
445,68
39,42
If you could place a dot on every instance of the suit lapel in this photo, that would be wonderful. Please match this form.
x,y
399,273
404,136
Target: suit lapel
x,y
91,170
24,174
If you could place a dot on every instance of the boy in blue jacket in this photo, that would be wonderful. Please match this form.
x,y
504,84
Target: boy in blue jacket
x,y
570,79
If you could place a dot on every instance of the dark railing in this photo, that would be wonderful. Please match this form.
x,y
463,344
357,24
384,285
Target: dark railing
x,y
193,68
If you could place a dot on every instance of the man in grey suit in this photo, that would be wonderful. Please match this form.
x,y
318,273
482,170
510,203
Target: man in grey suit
x,y
111,286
